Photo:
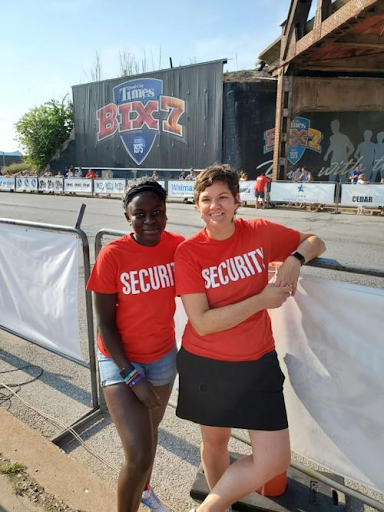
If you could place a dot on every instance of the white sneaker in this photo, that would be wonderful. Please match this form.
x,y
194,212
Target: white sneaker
x,y
150,499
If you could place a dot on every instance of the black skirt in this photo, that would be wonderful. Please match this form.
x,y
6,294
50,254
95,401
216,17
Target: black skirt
x,y
238,394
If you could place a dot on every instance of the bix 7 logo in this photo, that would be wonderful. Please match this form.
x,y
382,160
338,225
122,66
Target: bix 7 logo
x,y
140,111
301,137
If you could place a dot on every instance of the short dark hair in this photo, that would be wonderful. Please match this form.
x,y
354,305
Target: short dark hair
x,y
142,185
217,172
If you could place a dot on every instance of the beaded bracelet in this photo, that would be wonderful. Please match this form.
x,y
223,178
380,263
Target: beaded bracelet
x,y
132,374
136,380
132,378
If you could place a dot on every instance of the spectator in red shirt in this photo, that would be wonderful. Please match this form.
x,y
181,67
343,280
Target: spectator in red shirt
x,y
91,175
261,189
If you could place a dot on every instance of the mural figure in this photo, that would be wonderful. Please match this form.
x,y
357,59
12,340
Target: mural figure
x,y
366,153
379,158
341,148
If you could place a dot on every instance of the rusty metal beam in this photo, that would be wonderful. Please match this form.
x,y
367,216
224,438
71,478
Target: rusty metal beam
x,y
360,41
334,23
346,69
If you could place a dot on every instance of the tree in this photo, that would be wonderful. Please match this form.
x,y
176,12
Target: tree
x,y
96,71
43,130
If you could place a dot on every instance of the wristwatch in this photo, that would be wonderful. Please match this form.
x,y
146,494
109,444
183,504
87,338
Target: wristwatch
x,y
126,371
299,256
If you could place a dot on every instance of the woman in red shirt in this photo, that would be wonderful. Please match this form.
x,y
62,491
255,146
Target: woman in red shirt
x,y
133,281
228,368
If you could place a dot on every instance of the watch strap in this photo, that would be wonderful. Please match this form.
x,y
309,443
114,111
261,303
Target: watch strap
x,y
299,256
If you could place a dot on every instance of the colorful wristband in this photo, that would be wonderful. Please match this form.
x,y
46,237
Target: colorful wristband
x,y
136,380
130,375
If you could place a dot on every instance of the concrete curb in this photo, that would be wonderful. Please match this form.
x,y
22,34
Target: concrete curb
x,y
59,473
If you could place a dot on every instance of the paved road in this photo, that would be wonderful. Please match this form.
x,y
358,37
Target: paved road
x,y
63,389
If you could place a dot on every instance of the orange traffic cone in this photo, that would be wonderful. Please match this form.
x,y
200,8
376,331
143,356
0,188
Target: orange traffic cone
x,y
275,487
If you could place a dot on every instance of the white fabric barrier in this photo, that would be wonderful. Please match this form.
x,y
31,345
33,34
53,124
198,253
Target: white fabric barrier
x,y
371,196
323,193
7,183
180,188
328,341
26,184
109,187
39,287
51,185
78,185
247,190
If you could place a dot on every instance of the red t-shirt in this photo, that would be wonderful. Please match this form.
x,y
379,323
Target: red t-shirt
x,y
261,181
229,271
143,279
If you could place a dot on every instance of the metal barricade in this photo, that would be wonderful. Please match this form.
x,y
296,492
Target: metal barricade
x,y
89,314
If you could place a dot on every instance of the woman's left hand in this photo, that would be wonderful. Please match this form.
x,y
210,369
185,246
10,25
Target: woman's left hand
x,y
289,273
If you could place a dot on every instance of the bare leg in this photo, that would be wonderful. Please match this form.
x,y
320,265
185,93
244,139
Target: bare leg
x,y
214,453
134,426
271,457
157,415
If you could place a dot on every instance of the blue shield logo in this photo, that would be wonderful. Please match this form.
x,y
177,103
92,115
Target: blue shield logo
x,y
298,139
141,127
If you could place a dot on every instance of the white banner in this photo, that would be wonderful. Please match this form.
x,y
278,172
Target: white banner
x,y
51,184
329,341
109,187
26,184
7,183
39,287
323,193
78,185
181,188
371,196
328,338
247,190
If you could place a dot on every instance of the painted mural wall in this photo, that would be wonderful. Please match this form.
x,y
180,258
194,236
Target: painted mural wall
x,y
331,144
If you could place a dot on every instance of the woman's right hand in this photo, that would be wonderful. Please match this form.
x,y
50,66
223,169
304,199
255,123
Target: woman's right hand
x,y
275,296
146,393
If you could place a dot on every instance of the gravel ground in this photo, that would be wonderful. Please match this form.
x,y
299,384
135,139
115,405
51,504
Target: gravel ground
x,y
62,390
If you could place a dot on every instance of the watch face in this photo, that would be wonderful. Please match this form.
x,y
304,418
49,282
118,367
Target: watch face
x,y
124,372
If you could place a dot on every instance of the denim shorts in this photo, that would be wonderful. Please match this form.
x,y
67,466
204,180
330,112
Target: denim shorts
x,y
159,373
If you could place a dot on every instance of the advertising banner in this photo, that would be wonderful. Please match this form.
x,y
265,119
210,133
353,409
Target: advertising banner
x,y
181,188
323,193
333,365
109,187
371,196
78,185
170,119
51,185
26,184
39,288
7,183
247,190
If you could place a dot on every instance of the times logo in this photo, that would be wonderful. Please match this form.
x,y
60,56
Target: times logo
x,y
138,114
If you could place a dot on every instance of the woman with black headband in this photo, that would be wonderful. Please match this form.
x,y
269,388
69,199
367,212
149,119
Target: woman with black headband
x,y
133,281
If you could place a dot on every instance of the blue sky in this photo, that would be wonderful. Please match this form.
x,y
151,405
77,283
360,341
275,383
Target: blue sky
x,y
49,45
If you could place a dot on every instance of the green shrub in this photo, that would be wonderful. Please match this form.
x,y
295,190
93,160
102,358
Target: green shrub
x,y
15,167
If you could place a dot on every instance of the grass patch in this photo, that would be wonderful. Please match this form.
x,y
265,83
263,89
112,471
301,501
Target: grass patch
x,y
12,469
